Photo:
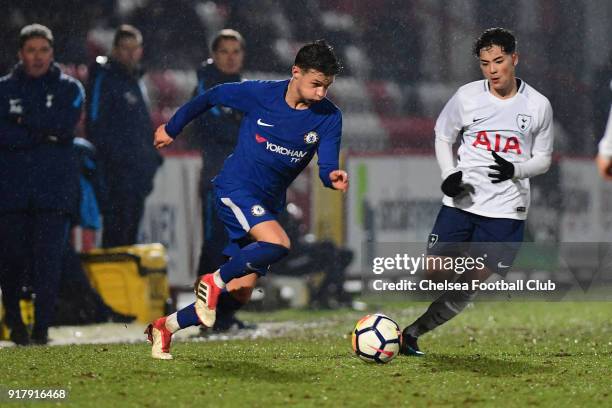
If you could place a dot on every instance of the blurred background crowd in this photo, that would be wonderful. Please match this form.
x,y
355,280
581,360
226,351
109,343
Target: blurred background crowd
x,y
402,58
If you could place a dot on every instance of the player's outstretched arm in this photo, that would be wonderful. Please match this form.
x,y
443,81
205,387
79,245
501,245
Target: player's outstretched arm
x,y
237,95
339,180
161,139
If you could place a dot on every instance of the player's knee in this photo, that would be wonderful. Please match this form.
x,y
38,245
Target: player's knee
x,y
276,250
271,253
281,241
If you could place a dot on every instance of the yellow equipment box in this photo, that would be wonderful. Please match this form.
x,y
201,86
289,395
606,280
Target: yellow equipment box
x,y
131,279
4,333
27,316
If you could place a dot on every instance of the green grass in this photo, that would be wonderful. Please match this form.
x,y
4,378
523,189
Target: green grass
x,y
503,354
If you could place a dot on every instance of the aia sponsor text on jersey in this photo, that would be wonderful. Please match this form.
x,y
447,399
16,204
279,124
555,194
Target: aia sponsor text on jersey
x,y
497,142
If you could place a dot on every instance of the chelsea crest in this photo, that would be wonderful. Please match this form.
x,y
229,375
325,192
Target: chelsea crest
x,y
311,137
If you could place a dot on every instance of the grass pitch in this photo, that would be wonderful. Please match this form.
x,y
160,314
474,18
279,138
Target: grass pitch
x,y
493,354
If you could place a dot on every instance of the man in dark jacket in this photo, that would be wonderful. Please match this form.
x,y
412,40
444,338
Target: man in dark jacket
x,y
39,109
119,125
217,131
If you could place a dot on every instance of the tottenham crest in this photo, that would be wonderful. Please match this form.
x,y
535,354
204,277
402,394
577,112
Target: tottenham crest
x,y
257,210
15,106
311,137
433,240
523,121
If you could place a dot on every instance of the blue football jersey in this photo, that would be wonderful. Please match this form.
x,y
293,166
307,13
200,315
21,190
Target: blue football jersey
x,y
275,142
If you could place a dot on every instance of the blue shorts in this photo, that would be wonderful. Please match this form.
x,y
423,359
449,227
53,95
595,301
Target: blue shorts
x,y
498,240
240,211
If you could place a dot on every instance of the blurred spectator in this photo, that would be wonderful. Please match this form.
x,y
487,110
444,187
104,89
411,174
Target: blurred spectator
x,y
217,131
78,302
39,109
119,125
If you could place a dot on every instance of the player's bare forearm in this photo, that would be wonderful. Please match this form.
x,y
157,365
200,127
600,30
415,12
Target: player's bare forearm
x,y
339,180
161,139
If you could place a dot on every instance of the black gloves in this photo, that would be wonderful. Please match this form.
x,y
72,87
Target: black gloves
x,y
504,167
451,186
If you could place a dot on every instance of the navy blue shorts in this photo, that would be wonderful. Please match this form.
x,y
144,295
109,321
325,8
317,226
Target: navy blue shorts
x,y
498,240
240,211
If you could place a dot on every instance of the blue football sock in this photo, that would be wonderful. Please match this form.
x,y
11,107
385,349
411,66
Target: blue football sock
x,y
255,257
187,317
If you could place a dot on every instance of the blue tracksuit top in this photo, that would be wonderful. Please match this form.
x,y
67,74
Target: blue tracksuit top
x,y
38,164
275,142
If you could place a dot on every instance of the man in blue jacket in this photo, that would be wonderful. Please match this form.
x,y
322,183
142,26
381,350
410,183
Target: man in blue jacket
x,y
217,132
39,109
119,125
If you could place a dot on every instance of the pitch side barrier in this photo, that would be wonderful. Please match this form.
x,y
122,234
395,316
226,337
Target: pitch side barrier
x,y
539,271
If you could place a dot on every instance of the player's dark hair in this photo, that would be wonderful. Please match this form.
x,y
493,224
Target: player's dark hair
x,y
226,34
35,31
126,31
495,36
320,56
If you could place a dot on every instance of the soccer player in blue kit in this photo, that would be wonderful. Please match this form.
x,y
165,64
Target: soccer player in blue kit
x,y
285,123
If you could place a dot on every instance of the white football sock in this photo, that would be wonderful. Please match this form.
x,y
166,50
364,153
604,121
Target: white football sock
x,y
172,323
217,278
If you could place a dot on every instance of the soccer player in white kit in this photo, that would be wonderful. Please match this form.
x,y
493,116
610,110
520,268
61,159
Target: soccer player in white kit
x,y
506,130
604,157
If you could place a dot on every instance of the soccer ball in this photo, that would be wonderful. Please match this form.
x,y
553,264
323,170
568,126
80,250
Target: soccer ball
x,y
376,338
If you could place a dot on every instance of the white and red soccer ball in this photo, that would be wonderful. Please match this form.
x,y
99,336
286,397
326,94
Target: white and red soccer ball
x,y
376,338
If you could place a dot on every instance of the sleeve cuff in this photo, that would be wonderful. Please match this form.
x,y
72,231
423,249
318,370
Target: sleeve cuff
x,y
171,131
324,176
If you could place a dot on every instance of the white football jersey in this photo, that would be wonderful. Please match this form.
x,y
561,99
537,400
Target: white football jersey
x,y
515,128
